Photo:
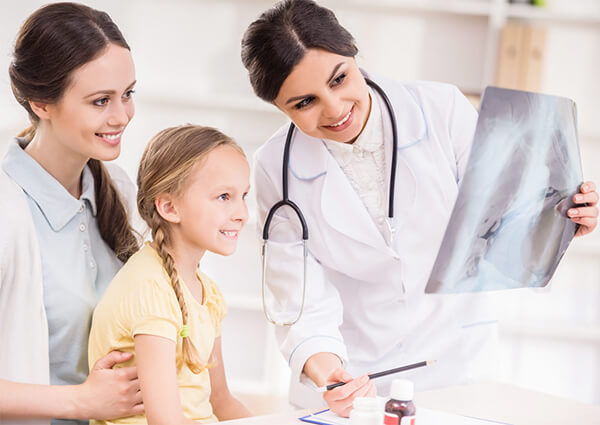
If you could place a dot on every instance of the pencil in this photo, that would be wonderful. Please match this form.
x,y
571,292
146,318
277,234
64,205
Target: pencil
x,y
380,374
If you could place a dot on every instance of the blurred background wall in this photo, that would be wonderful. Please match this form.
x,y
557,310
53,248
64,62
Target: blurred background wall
x,y
188,70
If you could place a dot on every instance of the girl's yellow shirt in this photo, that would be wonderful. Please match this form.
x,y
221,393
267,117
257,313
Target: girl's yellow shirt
x,y
140,300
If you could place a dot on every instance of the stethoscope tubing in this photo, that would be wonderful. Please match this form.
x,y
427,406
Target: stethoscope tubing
x,y
390,109
287,202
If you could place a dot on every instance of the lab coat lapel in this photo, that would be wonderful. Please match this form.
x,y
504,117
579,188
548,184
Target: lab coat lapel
x,y
411,130
340,205
343,209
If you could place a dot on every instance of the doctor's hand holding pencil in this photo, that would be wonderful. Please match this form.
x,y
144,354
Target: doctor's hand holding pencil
x,y
339,388
341,397
325,369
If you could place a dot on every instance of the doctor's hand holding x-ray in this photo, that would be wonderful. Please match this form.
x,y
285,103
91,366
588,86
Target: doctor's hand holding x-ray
x,y
585,215
365,308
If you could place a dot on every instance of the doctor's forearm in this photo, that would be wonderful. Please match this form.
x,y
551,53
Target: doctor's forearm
x,y
320,366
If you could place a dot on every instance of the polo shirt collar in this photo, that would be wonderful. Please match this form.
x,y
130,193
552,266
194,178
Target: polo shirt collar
x,y
55,202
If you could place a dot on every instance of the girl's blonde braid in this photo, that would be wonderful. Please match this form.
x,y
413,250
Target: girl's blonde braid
x,y
191,357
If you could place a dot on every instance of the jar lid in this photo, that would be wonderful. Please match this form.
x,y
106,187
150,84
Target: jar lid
x,y
366,404
402,389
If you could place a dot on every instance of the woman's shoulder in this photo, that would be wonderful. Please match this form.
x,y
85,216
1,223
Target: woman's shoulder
x,y
14,215
274,144
434,93
420,90
11,191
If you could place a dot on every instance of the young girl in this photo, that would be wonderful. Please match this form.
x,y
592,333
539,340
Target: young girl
x,y
365,306
192,186
65,227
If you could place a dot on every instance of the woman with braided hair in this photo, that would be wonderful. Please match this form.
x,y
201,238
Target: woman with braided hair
x,y
192,186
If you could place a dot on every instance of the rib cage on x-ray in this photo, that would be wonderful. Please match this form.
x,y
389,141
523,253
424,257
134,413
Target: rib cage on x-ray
x,y
509,227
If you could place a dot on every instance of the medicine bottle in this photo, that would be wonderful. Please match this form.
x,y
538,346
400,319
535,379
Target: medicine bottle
x,y
400,409
366,411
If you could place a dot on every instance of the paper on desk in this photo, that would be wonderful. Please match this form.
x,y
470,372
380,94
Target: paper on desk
x,y
424,417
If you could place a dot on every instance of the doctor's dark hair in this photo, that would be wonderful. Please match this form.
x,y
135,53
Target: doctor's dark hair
x,y
278,40
53,42
165,168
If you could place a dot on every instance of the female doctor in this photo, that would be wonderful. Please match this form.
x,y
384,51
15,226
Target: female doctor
x,y
365,307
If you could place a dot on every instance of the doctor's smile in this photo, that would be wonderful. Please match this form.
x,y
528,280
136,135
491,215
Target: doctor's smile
x,y
326,96
344,123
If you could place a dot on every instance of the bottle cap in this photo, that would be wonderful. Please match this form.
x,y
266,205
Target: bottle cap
x,y
366,403
402,389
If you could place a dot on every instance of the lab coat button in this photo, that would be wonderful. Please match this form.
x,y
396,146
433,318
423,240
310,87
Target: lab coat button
x,y
81,208
92,265
82,227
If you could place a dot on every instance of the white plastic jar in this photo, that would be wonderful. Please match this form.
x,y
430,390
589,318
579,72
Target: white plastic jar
x,y
366,411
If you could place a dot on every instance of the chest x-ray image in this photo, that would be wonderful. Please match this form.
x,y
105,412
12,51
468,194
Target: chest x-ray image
x,y
509,227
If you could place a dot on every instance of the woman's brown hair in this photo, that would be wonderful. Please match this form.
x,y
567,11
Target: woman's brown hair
x,y
278,40
165,168
52,43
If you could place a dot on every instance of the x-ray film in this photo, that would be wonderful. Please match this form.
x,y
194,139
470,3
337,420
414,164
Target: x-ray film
x,y
509,226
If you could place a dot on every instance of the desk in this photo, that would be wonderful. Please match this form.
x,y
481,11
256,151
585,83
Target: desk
x,y
504,403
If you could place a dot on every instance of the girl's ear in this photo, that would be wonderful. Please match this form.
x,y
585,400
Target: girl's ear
x,y
167,208
41,109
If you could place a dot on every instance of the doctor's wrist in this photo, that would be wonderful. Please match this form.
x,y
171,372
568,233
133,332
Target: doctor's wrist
x,y
320,366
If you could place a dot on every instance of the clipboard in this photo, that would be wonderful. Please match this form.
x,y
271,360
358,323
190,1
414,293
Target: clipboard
x,y
424,417
325,417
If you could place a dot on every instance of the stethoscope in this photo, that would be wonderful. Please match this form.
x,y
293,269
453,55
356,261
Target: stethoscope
x,y
287,202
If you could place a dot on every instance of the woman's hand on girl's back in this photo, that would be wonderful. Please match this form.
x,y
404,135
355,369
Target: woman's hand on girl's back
x,y
111,393
340,399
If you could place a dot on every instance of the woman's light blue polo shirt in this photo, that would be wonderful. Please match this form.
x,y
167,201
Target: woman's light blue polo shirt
x,y
77,265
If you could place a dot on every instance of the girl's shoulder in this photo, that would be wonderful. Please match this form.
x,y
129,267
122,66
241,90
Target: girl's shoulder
x,y
145,265
142,283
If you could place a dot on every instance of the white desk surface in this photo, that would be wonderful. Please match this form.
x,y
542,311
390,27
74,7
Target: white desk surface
x,y
505,404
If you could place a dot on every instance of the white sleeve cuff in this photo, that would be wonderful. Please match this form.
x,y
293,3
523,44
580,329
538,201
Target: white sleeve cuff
x,y
303,391
313,345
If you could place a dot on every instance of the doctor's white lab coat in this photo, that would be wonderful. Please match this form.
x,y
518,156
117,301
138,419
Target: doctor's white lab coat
x,y
365,298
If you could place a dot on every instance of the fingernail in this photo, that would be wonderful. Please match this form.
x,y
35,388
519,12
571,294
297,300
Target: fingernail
x,y
578,198
584,187
573,212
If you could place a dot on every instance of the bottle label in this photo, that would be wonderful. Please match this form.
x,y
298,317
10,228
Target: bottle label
x,y
393,419
408,420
